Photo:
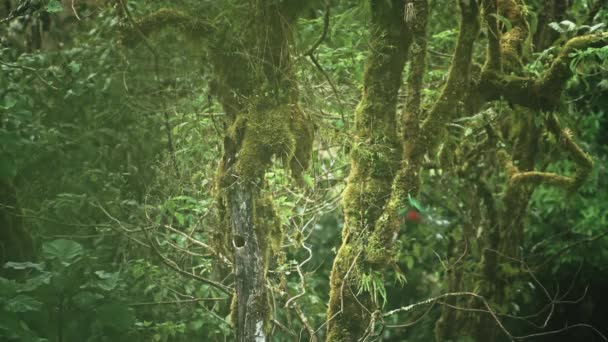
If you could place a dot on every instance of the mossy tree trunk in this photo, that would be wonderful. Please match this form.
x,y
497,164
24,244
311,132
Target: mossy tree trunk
x,y
375,159
256,86
372,202
249,47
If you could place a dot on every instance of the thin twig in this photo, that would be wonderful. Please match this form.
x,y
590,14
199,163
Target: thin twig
x,y
74,10
183,301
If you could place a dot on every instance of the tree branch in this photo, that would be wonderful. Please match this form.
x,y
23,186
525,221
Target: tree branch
x,y
543,93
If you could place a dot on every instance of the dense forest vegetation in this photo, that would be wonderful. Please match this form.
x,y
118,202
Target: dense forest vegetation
x,y
304,170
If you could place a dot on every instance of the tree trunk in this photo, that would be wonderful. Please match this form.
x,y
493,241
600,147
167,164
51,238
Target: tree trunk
x,y
375,158
251,304
256,87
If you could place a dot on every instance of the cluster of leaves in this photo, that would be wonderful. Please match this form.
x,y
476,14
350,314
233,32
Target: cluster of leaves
x,y
66,293
84,139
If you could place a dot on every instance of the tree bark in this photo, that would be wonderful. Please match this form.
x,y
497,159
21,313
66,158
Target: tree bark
x,y
375,158
249,267
257,89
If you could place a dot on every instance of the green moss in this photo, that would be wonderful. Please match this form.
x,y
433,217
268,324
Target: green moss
x,y
349,324
268,226
265,134
375,158
282,131
363,202
302,130
512,42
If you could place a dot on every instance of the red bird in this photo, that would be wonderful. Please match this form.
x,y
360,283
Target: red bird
x,y
414,216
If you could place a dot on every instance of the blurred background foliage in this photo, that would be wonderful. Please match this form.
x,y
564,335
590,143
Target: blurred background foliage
x,y
102,152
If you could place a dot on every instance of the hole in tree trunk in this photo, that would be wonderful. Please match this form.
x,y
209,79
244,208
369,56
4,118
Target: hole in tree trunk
x,y
238,241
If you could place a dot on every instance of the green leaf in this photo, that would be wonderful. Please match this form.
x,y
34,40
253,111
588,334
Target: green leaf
x,y
309,181
109,280
35,282
74,67
54,6
504,21
556,27
596,27
9,102
564,26
180,218
66,252
22,303
409,261
570,26
23,265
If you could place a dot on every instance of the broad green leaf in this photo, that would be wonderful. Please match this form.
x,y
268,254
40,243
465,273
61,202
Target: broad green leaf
x,y
570,26
9,102
309,181
65,251
35,282
108,281
556,27
23,265
596,27
54,6
74,67
22,303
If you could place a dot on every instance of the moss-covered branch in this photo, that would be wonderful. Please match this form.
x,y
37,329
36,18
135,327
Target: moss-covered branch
x,y
490,17
407,182
416,19
374,159
512,42
457,85
540,94
582,160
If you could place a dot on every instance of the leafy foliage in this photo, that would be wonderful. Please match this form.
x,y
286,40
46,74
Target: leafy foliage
x,y
113,158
